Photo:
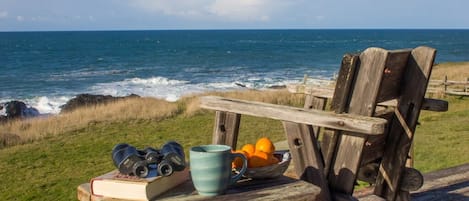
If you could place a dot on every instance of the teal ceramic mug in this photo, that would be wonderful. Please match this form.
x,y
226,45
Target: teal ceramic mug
x,y
210,167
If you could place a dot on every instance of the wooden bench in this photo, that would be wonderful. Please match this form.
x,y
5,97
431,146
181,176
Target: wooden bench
x,y
359,133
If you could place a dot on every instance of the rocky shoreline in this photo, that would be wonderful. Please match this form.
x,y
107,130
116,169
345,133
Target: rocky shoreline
x,y
19,110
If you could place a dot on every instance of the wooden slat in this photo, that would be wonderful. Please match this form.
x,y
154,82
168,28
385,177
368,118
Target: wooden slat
x,y
392,75
344,83
363,102
428,104
339,104
355,123
374,146
369,76
316,103
401,134
226,128
306,156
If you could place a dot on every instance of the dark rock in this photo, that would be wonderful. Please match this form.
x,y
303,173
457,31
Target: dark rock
x,y
85,100
17,109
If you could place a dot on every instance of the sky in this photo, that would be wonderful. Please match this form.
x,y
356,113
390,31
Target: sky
x,y
62,15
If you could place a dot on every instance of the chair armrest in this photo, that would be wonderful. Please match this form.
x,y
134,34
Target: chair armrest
x,y
346,122
428,104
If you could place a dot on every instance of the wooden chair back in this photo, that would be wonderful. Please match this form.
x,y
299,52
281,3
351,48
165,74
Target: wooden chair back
x,y
366,80
360,133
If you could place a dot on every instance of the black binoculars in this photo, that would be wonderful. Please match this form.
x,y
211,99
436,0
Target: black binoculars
x,y
132,161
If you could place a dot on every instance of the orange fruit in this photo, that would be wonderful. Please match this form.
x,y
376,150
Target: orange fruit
x,y
265,145
249,149
259,159
238,162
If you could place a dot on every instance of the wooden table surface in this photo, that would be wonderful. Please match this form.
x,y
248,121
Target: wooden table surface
x,y
281,188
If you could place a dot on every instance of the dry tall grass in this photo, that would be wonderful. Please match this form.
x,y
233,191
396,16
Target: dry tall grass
x,y
21,131
454,70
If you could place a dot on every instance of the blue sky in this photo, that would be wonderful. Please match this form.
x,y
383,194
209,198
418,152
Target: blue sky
x,y
43,15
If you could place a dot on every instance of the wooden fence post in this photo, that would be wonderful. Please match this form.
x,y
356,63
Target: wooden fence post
x,y
445,83
466,86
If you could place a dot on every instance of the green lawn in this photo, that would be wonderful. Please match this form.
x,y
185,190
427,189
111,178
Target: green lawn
x,y
52,168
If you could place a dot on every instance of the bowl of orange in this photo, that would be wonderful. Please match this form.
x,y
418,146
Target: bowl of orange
x,y
270,171
263,161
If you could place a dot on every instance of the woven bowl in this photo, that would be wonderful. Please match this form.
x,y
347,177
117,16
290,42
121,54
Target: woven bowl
x,y
271,171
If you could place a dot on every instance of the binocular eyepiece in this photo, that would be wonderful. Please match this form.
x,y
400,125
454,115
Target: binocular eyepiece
x,y
132,161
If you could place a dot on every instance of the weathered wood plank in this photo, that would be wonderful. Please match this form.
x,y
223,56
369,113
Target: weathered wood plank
x,y
407,112
374,145
317,103
339,105
345,81
306,156
392,75
435,105
372,198
283,188
363,102
226,128
355,123
440,185
428,104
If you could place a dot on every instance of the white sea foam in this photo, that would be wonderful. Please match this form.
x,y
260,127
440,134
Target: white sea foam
x,y
45,105
172,90
158,87
48,105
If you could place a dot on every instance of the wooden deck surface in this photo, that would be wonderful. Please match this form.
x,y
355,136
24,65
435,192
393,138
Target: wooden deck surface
x,y
450,184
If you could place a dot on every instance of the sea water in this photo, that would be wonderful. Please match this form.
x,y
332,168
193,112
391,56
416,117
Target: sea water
x,y
46,69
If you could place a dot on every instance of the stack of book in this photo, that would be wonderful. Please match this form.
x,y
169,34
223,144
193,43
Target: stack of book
x,y
116,185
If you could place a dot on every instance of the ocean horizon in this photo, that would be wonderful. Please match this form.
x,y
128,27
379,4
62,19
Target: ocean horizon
x,y
46,69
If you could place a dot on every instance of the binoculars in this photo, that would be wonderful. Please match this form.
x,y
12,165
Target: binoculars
x,y
132,161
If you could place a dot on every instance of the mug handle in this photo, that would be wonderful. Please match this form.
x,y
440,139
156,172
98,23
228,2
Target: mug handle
x,y
243,169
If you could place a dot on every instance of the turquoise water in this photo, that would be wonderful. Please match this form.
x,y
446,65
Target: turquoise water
x,y
45,69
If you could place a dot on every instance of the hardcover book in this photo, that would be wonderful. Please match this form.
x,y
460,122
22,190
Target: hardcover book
x,y
116,185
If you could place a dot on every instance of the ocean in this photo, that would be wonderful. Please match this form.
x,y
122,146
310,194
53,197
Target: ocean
x,y
46,69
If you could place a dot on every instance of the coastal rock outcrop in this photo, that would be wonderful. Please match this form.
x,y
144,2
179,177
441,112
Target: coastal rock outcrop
x,y
83,100
18,109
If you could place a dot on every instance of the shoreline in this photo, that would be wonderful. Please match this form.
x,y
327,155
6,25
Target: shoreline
x,y
49,106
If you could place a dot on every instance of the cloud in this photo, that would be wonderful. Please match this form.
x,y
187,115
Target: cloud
x,y
239,10
3,14
181,8
19,18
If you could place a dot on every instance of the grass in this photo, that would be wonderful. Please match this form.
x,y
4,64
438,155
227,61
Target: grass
x,y
55,160
52,168
454,70
441,139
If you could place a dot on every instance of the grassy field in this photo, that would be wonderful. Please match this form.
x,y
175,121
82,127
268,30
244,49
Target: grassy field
x,y
57,154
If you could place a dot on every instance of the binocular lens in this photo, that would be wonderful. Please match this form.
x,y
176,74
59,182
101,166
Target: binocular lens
x,y
140,170
165,169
